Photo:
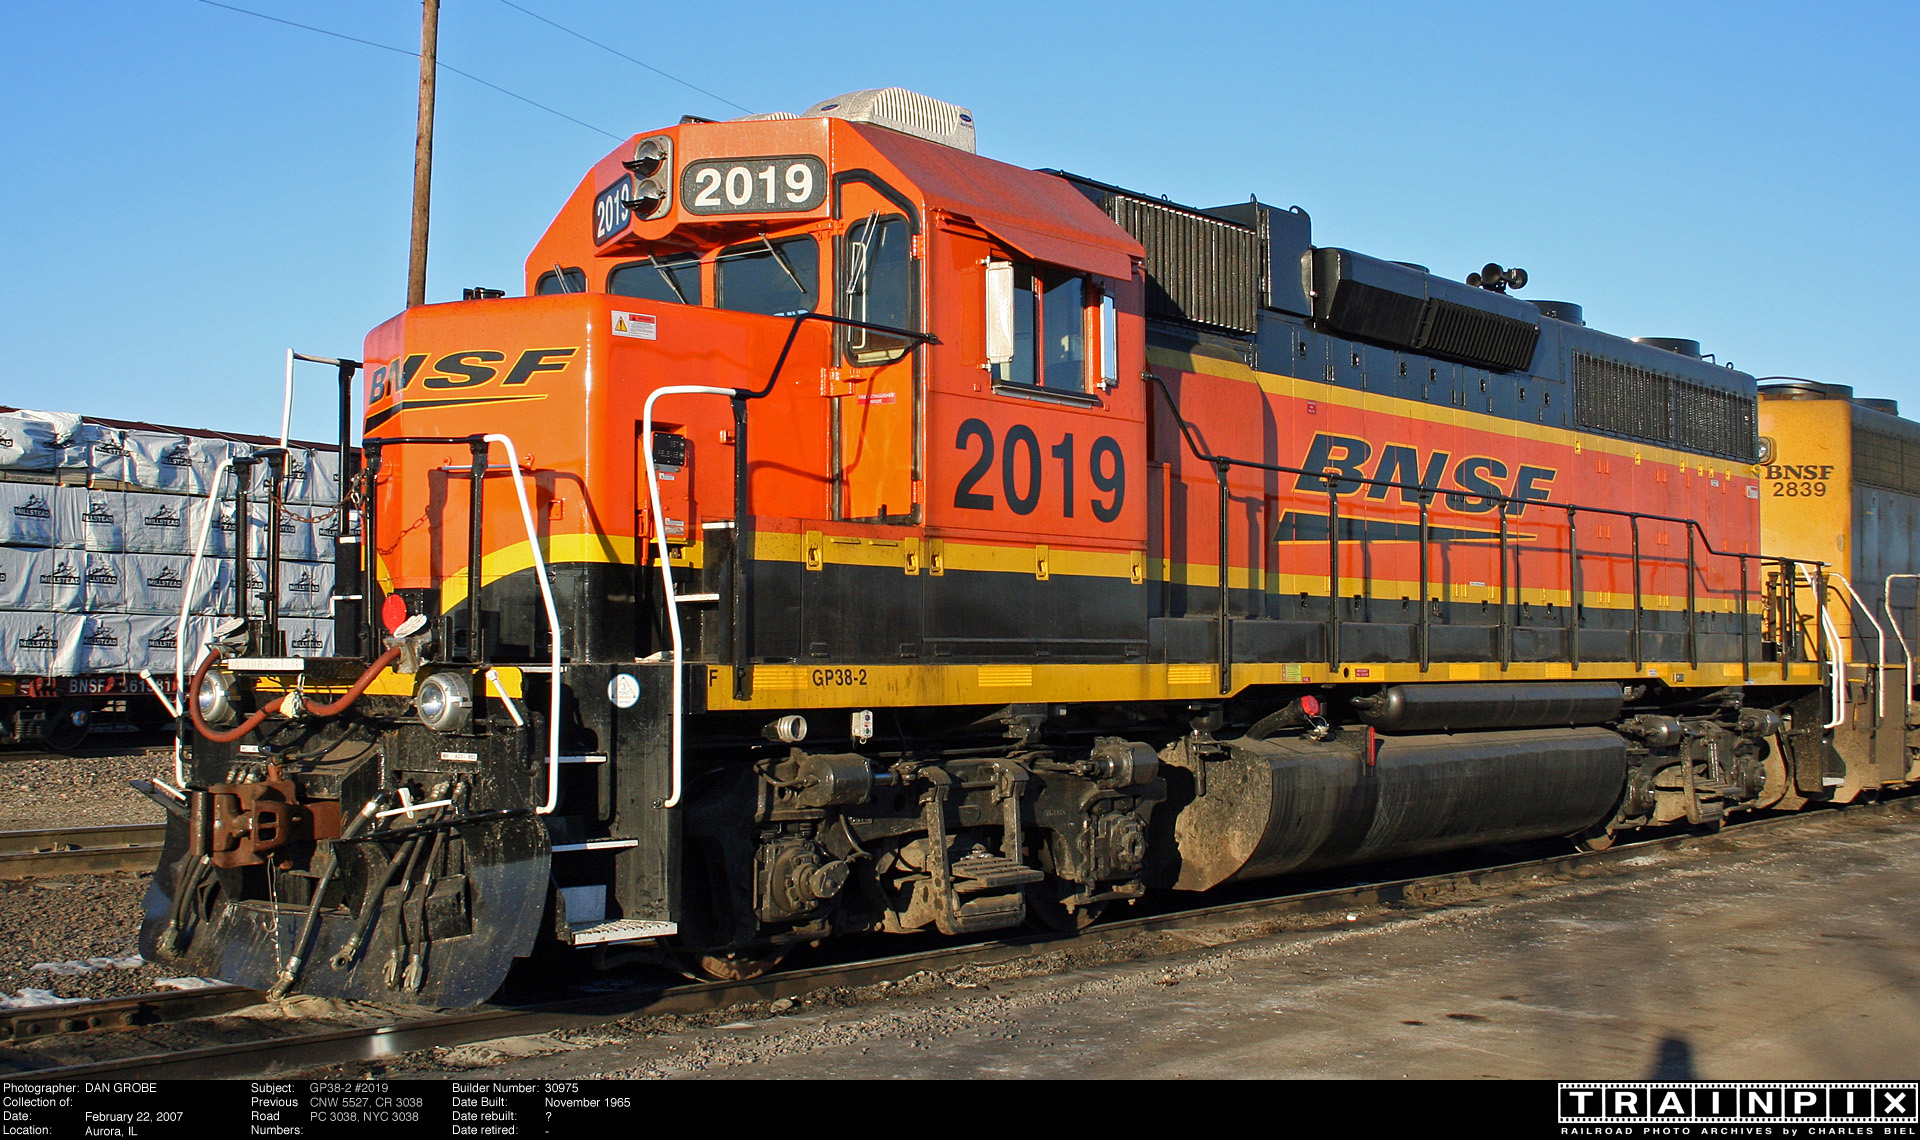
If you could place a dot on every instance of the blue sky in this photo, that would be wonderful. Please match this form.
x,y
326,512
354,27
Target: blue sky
x,y
188,191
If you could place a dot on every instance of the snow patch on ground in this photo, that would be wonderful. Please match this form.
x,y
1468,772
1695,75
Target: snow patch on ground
x,y
89,965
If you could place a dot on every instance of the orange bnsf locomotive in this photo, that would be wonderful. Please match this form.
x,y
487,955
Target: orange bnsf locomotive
x,y
849,533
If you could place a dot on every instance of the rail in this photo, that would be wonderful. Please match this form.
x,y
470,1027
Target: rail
x,y
80,850
1340,482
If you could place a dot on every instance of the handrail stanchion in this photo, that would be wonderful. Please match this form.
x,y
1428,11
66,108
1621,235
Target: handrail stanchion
x,y
1426,580
180,627
1788,608
1906,653
1333,572
476,511
1827,645
1693,601
1639,657
553,625
1746,651
1506,616
1876,672
1224,615
1574,601
677,715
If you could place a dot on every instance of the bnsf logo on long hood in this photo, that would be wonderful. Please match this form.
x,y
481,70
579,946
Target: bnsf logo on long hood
x,y
1472,484
455,379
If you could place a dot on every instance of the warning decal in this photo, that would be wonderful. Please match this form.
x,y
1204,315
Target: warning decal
x,y
637,325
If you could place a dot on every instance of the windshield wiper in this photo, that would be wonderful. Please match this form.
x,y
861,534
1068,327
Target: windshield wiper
x,y
668,277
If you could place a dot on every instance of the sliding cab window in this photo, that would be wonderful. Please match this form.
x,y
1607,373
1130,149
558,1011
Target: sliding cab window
x,y
780,278
675,280
568,280
1037,326
877,289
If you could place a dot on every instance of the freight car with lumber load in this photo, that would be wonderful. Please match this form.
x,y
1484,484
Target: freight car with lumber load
x,y
100,520
848,533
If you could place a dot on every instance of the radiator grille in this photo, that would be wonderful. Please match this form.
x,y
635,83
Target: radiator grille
x,y
1200,270
1451,329
1640,403
1884,460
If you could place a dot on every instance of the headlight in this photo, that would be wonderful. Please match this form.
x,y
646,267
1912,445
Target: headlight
x,y
215,698
650,155
649,200
445,702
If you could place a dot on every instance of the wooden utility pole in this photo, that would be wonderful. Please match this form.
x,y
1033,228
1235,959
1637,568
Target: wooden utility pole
x,y
423,156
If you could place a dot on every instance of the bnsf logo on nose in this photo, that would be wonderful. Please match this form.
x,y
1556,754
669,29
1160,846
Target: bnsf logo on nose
x,y
469,368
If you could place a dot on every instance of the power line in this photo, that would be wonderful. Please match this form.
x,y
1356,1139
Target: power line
x,y
625,56
416,55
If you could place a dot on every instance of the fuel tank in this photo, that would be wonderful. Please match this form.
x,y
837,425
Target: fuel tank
x,y
1268,807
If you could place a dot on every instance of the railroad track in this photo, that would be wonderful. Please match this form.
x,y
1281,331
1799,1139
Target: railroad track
x,y
368,1044
80,850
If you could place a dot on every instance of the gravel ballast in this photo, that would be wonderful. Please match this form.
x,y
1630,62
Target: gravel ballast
x,y
82,931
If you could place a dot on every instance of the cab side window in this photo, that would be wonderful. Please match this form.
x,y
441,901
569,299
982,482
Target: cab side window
x,y
780,278
877,288
1036,326
675,280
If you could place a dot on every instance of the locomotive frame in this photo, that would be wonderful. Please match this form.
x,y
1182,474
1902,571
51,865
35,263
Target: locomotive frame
x,y
1133,546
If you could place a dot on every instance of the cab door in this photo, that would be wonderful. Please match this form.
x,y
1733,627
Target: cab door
x,y
1037,482
875,383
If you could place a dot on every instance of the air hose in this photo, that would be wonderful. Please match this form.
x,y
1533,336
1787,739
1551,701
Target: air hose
x,y
290,976
335,708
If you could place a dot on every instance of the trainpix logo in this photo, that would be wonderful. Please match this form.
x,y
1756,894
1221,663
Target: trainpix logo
x,y
1777,1108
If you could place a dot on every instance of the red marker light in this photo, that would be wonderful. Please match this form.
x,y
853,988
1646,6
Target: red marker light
x,y
1310,705
393,611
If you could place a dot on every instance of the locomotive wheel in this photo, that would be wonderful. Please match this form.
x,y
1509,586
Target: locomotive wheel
x,y
67,725
740,965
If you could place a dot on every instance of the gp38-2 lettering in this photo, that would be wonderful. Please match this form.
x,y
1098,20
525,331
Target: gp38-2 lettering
x,y
833,678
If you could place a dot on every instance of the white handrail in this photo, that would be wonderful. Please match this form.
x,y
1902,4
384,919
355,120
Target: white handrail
x,y
553,626
186,604
1880,665
1906,653
1838,665
676,715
